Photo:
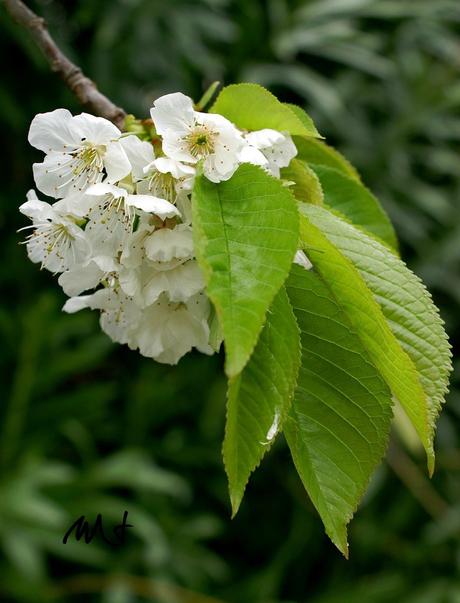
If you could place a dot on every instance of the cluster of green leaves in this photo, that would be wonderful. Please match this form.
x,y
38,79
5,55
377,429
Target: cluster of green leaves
x,y
319,353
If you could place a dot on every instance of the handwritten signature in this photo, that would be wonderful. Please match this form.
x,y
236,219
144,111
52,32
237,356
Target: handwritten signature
x,y
83,529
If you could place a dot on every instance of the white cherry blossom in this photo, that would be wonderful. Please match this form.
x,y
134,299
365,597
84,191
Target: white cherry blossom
x,y
120,316
157,260
78,150
165,244
167,330
56,241
167,178
190,136
147,282
120,231
81,277
121,197
277,148
111,220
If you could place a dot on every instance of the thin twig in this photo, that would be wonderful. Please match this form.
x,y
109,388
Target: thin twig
x,y
140,586
84,89
414,480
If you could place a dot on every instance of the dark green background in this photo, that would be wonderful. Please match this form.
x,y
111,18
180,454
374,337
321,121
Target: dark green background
x,y
91,427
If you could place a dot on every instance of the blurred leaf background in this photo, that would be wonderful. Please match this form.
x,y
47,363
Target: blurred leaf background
x,y
89,427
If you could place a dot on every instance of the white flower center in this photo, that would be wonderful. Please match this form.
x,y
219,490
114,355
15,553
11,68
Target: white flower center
x,y
162,185
83,167
116,208
88,159
201,141
52,238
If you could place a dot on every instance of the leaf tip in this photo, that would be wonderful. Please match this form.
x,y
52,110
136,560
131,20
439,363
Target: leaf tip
x,y
235,501
430,462
340,539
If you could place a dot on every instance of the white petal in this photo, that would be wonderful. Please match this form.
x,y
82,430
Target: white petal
x,y
168,331
133,250
184,205
250,154
96,301
175,148
107,230
75,304
116,162
58,246
36,210
180,283
52,131
219,123
154,284
54,176
262,139
121,316
160,207
76,204
172,112
131,284
31,195
165,244
103,188
104,299
185,281
301,259
140,154
148,336
281,153
165,165
106,263
213,171
81,278
96,130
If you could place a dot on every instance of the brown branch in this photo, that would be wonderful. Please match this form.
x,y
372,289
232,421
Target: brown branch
x,y
84,89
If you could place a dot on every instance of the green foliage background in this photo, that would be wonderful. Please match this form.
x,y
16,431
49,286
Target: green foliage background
x,y
89,427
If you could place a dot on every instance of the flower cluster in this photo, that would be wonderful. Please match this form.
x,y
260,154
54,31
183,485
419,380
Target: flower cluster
x,y
120,230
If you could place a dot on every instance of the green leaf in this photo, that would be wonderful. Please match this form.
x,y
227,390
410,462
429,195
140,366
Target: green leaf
x,y
341,414
319,153
260,396
355,202
390,309
409,313
307,187
207,96
304,117
252,107
246,233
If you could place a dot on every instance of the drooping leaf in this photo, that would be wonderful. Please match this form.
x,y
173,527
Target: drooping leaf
x,y
246,234
307,187
340,417
355,202
367,318
252,107
319,153
260,396
408,311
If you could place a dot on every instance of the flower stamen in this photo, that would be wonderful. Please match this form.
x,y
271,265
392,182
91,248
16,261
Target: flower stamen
x,y
201,141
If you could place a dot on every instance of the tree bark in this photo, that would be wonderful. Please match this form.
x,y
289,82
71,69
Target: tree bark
x,y
84,89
